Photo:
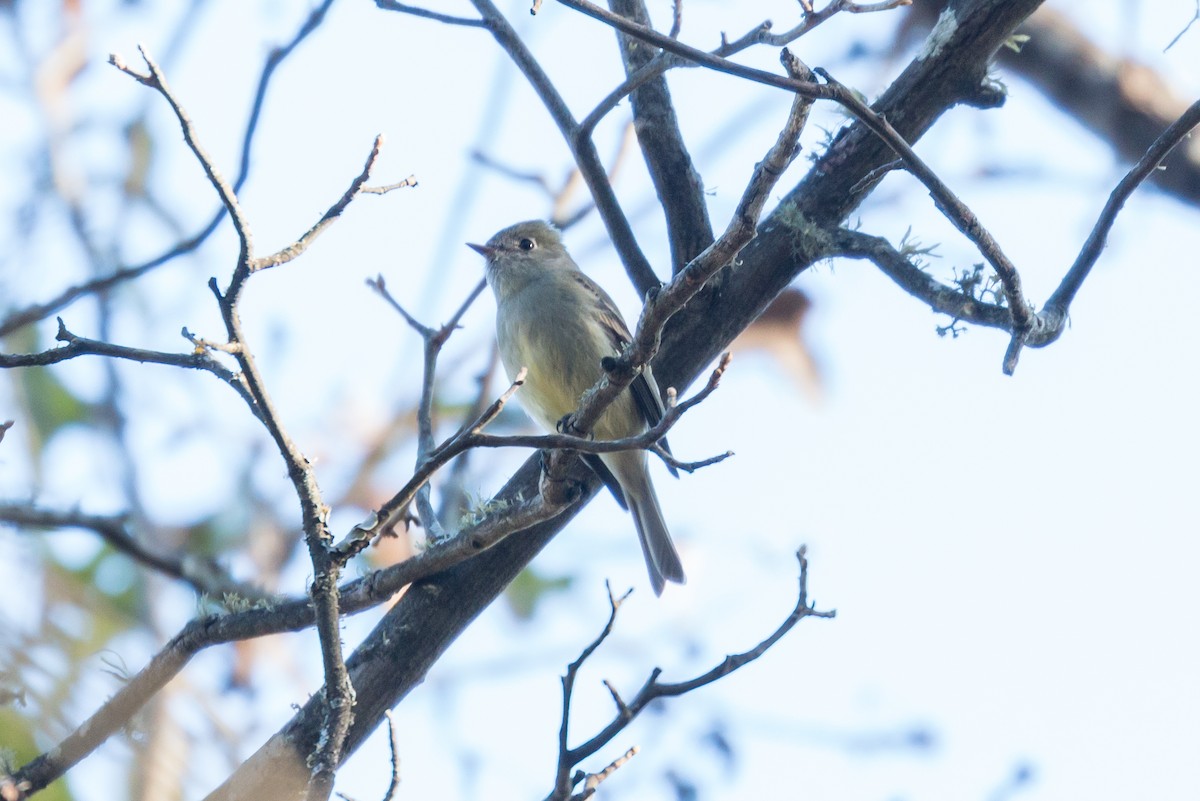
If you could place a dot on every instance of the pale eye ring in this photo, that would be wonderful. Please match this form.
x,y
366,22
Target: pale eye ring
x,y
527,244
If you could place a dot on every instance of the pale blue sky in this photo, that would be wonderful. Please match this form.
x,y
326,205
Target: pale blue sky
x,y
1012,559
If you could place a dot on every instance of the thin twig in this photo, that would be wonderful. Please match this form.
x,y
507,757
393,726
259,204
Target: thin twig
x,y
383,190
357,186
394,743
453,490
41,311
653,689
205,578
562,780
327,562
434,339
760,34
157,81
677,183
76,346
592,780
813,18
1195,18
1060,300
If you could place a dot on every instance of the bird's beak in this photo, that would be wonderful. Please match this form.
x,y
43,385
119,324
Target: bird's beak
x,y
482,250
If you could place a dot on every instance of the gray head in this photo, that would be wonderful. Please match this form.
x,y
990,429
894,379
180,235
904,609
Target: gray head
x,y
522,252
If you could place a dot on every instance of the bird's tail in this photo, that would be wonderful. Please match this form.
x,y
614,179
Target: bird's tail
x,y
662,560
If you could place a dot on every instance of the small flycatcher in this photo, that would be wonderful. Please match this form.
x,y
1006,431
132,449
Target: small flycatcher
x,y
558,324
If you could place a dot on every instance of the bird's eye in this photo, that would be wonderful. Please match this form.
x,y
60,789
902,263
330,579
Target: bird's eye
x,y
527,244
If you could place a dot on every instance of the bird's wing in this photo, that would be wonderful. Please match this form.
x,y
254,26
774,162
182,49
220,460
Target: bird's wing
x,y
644,389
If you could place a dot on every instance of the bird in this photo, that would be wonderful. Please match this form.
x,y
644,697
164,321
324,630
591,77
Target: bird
x,y
558,324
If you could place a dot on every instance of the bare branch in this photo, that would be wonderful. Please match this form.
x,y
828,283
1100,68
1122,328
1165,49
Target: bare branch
x,y
383,190
712,61
394,743
912,279
338,693
157,81
583,150
206,578
653,689
1195,18
357,186
760,34
687,467
678,185
592,780
434,339
562,780
76,346
1060,300
813,18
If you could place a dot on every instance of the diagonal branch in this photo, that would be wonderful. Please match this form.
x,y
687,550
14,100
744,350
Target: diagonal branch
x,y
688,282
417,11
76,346
1060,300
357,186
206,578
583,150
155,79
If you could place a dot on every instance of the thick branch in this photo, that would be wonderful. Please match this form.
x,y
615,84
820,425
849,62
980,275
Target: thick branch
x,y
679,186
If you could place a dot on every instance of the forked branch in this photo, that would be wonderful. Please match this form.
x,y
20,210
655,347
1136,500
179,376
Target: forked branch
x,y
653,689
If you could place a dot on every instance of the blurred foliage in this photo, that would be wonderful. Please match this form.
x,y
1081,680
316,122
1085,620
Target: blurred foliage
x,y
530,589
